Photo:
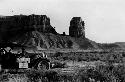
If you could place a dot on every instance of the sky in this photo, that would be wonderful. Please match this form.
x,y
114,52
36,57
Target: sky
x,y
104,19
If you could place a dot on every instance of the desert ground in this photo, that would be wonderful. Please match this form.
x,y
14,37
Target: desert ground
x,y
79,67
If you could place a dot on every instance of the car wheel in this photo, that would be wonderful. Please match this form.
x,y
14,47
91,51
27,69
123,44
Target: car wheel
x,y
42,65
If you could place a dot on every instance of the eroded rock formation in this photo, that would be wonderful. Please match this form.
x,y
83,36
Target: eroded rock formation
x,y
77,28
35,31
12,25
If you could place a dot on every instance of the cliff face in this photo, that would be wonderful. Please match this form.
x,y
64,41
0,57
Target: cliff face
x,y
76,28
19,24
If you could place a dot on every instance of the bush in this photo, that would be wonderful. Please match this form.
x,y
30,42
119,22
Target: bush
x,y
42,76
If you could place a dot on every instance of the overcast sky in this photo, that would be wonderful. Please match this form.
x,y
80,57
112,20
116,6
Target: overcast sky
x,y
104,19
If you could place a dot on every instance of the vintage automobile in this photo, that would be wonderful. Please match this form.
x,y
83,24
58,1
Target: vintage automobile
x,y
23,60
